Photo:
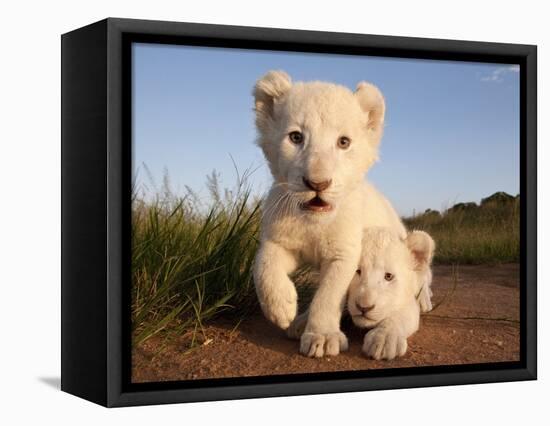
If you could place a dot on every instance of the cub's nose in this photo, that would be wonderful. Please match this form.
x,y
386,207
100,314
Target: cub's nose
x,y
363,309
316,186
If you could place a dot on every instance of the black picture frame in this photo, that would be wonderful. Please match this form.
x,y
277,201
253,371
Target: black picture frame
x,y
96,183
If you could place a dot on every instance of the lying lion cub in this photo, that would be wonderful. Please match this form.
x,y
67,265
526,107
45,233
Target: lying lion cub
x,y
383,295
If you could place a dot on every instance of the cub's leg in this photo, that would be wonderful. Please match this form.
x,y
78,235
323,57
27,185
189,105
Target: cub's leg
x,y
425,299
322,335
425,295
276,292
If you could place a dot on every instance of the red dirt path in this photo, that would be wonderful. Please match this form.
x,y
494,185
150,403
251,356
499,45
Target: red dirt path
x,y
479,323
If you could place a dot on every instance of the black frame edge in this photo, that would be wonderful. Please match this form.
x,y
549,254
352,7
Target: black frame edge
x,y
83,207
396,46
530,216
118,231
231,392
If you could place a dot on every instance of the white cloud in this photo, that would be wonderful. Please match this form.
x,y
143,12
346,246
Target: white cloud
x,y
498,74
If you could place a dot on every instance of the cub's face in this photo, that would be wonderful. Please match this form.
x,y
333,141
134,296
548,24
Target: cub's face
x,y
318,138
389,275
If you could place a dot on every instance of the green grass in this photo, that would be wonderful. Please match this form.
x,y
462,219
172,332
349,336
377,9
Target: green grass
x,y
191,262
483,234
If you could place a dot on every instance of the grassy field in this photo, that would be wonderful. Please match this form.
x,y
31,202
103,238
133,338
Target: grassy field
x,y
192,262
469,233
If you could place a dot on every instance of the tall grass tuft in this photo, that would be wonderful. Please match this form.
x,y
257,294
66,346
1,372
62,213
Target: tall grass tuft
x,y
190,263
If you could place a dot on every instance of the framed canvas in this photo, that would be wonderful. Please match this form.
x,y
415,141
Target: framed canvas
x,y
255,212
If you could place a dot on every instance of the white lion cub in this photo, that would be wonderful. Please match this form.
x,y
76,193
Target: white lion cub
x,y
319,140
383,294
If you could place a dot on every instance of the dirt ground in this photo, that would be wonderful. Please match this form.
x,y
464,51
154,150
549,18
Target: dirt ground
x,y
477,323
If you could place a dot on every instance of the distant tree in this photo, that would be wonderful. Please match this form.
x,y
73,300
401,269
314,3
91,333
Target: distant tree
x,y
498,198
460,207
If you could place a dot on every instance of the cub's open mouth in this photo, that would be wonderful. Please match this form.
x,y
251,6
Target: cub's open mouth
x,y
316,204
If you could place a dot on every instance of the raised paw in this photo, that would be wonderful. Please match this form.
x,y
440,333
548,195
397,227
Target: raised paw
x,y
318,345
384,343
425,299
280,307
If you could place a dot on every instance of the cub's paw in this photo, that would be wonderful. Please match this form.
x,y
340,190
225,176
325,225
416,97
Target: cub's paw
x,y
384,343
280,307
297,327
318,345
425,299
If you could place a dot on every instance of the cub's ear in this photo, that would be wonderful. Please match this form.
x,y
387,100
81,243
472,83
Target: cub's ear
x,y
422,247
372,102
267,90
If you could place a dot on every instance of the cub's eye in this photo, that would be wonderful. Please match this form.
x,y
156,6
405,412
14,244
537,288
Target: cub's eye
x,y
388,276
344,142
358,272
296,137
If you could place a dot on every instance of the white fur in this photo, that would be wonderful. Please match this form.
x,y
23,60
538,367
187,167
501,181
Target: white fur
x,y
328,240
390,306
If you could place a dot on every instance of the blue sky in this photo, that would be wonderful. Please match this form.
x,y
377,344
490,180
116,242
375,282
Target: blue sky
x,y
451,135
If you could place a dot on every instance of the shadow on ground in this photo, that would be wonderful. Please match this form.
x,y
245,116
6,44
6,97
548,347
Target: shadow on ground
x,y
54,382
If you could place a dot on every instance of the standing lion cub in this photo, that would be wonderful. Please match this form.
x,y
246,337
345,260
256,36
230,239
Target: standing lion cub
x,y
319,140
